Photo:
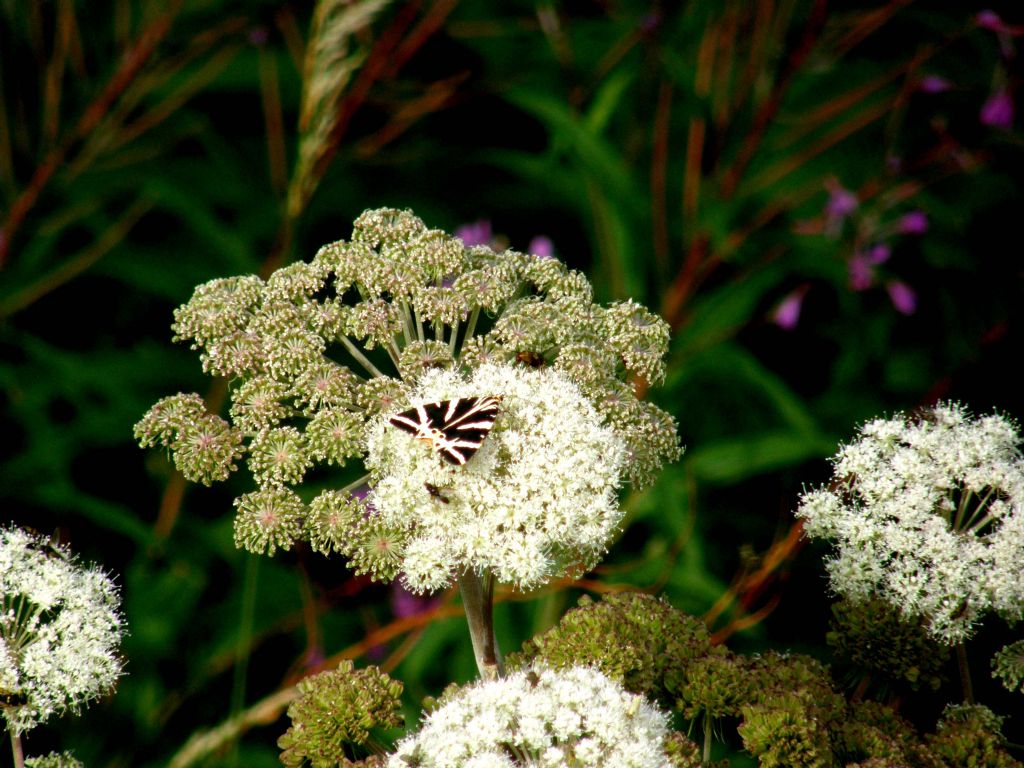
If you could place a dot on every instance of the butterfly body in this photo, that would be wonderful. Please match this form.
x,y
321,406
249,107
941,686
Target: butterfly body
x,y
455,428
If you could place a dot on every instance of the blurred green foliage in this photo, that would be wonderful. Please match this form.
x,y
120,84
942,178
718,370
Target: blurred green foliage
x,y
692,157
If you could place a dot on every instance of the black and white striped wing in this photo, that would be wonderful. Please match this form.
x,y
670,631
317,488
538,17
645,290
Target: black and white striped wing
x,y
454,428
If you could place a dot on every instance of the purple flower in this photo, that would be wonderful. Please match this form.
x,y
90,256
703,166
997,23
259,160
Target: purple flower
x,y
990,20
541,246
902,296
861,272
404,603
841,201
477,233
878,254
787,313
913,223
933,84
997,111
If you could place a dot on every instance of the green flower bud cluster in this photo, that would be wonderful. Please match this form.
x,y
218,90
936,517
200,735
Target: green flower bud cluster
x,y
793,712
54,760
639,641
336,709
968,735
789,711
873,734
319,351
1008,666
875,638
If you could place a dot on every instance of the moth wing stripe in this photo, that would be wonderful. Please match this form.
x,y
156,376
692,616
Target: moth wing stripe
x,y
485,425
402,421
472,412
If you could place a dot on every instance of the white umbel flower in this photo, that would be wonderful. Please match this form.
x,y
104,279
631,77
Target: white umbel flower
x,y
539,496
928,513
59,631
543,718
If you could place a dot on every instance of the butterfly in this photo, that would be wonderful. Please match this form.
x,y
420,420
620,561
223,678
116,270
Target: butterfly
x,y
454,428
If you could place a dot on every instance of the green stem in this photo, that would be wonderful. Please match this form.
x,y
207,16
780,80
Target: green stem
x,y
358,355
19,754
965,673
706,758
407,328
242,646
355,484
471,327
478,602
454,337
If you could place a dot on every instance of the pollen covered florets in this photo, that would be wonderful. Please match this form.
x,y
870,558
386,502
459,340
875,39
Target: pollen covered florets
x,y
59,631
539,496
544,718
927,513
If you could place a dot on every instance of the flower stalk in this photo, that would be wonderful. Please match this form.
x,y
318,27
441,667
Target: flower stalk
x,y
17,750
965,672
478,601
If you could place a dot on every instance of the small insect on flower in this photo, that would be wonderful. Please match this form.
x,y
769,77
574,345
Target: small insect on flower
x,y
435,493
454,428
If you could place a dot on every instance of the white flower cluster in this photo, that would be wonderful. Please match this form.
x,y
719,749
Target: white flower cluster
x,y
59,631
543,718
540,494
928,514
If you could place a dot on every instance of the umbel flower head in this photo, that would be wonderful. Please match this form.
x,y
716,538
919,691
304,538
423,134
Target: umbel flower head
x,y
540,717
539,496
321,354
927,514
59,631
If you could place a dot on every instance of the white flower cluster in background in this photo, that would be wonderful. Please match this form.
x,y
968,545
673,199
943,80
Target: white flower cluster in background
x,y
60,627
543,718
539,495
927,512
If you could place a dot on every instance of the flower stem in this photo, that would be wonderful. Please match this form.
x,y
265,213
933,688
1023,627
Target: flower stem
x,y
706,759
19,753
965,673
478,602
364,361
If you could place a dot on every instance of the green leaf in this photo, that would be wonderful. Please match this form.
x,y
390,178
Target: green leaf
x,y
734,459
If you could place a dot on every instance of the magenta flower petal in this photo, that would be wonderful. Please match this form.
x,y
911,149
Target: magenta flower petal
x,y
477,233
541,246
934,84
841,201
989,19
997,111
879,254
405,604
913,223
787,313
861,272
902,296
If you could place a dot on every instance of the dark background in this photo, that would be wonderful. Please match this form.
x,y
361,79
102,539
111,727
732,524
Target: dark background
x,y
682,155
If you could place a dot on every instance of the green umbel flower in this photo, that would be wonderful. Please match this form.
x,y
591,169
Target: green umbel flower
x,y
337,709
321,354
641,642
968,735
874,638
54,760
1008,666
